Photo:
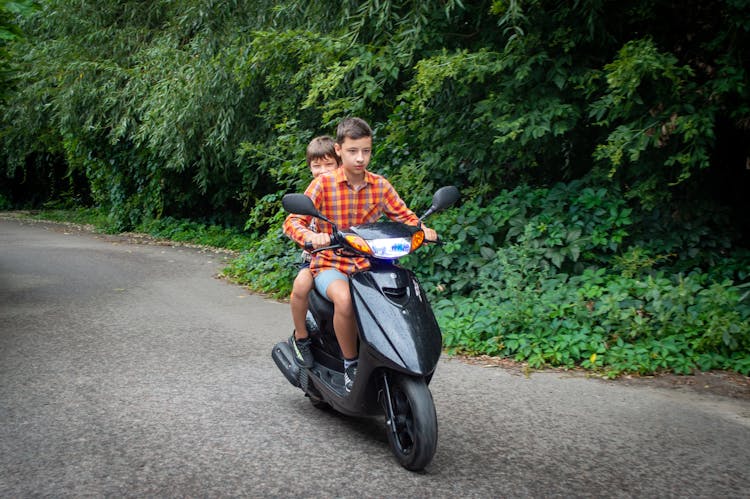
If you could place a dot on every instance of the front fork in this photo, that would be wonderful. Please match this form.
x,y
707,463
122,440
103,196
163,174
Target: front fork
x,y
387,403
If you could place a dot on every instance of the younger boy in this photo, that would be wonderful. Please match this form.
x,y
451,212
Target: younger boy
x,y
351,195
321,158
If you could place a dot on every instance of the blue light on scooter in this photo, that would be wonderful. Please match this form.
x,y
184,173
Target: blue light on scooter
x,y
390,248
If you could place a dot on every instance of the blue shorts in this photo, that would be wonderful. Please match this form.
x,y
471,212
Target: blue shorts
x,y
326,277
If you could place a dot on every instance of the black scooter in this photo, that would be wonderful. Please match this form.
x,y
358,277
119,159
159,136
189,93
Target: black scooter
x,y
399,339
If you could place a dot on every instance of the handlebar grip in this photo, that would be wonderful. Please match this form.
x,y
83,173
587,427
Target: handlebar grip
x,y
325,248
309,246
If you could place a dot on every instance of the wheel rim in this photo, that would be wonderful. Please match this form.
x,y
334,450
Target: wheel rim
x,y
403,422
412,422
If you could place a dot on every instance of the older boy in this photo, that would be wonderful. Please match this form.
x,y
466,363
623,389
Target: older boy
x,y
349,196
321,158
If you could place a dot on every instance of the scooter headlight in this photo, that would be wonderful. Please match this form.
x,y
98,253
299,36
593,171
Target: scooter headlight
x,y
393,247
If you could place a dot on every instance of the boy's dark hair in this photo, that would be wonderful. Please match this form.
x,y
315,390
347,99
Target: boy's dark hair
x,y
319,148
353,128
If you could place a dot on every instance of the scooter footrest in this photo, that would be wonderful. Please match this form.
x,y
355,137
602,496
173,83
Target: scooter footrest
x,y
284,359
303,380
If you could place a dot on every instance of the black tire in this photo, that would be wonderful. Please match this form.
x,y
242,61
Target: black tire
x,y
313,394
413,434
318,403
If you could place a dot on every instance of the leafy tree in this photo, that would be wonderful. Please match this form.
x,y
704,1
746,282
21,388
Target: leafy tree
x,y
599,144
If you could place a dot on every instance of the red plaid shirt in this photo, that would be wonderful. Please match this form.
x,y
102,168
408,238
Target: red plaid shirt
x,y
345,206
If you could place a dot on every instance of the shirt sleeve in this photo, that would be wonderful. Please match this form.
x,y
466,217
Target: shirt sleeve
x,y
395,208
298,227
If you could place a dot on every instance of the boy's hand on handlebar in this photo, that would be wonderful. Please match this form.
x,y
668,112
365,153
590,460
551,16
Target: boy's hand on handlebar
x,y
430,234
319,240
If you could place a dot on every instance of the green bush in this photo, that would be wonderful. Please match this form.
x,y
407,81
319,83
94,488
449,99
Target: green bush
x,y
196,233
83,216
604,322
268,265
550,277
5,203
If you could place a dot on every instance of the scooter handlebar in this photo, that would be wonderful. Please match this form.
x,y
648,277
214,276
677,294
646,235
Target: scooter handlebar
x,y
334,246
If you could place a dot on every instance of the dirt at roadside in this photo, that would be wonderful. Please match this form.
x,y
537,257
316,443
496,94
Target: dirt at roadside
x,y
719,383
122,237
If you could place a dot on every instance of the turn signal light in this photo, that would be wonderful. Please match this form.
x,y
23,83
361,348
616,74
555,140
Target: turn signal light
x,y
358,244
416,240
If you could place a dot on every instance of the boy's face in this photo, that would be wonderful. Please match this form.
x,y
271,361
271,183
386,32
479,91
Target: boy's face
x,y
319,166
355,154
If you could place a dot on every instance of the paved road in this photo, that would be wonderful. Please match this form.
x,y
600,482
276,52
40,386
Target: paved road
x,y
130,370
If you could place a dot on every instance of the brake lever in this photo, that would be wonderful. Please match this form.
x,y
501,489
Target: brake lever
x,y
332,247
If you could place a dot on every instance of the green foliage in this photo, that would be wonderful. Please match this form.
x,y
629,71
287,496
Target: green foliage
x,y
653,105
204,111
196,233
602,321
10,10
269,265
549,276
82,216
4,203
187,231
598,145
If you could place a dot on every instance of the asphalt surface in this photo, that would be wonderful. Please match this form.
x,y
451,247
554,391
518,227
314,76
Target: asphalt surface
x,y
130,370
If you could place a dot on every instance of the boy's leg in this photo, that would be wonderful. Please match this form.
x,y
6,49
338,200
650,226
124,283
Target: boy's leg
x,y
336,286
343,317
299,341
301,288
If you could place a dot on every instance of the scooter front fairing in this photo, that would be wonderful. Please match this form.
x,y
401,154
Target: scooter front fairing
x,y
395,319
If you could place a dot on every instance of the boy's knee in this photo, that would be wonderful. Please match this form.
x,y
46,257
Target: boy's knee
x,y
344,302
340,294
301,288
344,308
303,283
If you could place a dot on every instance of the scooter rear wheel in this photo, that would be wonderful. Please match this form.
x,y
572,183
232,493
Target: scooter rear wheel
x,y
413,432
318,402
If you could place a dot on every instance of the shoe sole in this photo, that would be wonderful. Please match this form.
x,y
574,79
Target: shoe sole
x,y
298,355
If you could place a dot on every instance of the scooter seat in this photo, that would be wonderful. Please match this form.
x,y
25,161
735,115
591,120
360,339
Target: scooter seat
x,y
321,305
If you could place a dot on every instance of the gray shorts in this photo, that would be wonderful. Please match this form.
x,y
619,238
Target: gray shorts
x,y
326,277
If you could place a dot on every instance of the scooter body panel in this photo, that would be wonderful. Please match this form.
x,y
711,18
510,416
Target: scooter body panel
x,y
398,332
395,319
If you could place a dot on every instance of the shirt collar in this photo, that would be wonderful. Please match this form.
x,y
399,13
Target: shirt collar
x,y
341,177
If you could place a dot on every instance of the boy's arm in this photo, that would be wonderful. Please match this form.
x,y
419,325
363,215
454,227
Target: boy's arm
x,y
396,210
298,227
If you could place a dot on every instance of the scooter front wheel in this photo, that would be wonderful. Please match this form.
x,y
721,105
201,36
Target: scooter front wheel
x,y
412,427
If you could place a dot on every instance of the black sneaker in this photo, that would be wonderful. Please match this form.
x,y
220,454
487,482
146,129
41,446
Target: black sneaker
x,y
302,353
349,374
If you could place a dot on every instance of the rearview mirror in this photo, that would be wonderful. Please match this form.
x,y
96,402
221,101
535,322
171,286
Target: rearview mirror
x,y
299,204
445,197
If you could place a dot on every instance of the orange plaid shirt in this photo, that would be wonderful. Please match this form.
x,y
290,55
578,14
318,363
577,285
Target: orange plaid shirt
x,y
345,206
